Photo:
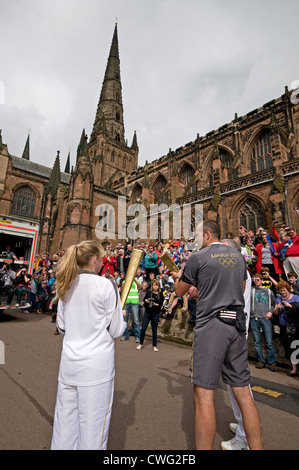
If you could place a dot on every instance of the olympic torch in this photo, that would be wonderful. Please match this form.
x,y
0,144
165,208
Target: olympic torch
x,y
166,259
134,264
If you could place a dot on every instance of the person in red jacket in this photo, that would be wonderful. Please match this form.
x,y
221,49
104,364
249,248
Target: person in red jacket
x,y
109,261
266,257
291,260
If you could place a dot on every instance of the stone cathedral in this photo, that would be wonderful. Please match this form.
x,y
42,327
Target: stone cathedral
x,y
244,173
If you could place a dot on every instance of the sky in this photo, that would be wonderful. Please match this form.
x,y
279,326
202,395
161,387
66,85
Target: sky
x,y
187,66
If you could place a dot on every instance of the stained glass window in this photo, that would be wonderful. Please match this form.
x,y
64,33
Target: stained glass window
x,y
23,202
251,215
261,157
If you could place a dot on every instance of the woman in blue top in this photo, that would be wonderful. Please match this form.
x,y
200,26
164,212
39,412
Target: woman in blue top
x,y
287,307
151,261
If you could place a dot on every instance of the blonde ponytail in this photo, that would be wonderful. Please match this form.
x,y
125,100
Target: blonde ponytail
x,y
66,271
76,257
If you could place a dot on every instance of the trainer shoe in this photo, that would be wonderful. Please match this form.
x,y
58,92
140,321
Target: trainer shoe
x,y
124,339
233,444
233,427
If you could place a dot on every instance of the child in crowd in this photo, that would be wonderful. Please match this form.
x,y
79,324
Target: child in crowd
x,y
166,307
293,281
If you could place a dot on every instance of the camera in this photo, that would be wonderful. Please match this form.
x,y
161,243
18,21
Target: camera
x,y
151,299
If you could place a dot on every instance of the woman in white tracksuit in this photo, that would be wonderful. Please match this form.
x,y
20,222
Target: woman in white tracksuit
x,y
90,317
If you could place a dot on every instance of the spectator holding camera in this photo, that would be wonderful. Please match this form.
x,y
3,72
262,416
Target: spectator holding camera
x,y
265,256
153,302
7,277
23,285
268,281
151,261
291,259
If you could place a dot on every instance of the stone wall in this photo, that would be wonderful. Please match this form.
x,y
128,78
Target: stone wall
x,y
177,330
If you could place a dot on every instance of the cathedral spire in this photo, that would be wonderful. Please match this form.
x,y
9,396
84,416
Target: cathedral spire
x,y
68,163
82,150
134,145
26,154
110,106
55,177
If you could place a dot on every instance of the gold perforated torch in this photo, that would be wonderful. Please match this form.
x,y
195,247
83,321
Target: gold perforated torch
x,y
134,264
166,259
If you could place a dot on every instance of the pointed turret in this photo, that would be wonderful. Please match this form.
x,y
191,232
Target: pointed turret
x,y
83,165
26,153
82,150
134,145
110,106
68,164
55,177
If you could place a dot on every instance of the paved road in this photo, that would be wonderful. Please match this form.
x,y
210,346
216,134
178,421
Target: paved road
x,y
153,407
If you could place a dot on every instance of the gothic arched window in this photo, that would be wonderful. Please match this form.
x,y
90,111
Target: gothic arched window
x,y
226,159
23,202
251,215
159,184
165,198
186,174
136,194
261,156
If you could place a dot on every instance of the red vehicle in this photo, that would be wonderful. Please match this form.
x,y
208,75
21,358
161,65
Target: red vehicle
x,y
18,237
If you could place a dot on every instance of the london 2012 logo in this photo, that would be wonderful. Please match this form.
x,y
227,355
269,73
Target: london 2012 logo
x,y
228,262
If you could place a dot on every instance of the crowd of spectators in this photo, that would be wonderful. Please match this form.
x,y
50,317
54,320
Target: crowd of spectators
x,y
272,260
33,292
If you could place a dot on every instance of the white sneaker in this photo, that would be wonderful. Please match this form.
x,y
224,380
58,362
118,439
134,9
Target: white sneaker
x,y
233,427
233,444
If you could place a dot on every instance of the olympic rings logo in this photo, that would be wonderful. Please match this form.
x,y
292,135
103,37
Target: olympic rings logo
x,y
228,262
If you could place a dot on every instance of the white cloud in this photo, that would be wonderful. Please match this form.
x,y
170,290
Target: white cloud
x,y
186,67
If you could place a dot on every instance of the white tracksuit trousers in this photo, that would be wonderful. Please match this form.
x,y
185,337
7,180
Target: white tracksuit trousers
x,y
82,417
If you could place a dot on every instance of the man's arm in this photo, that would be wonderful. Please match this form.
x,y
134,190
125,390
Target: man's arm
x,y
180,287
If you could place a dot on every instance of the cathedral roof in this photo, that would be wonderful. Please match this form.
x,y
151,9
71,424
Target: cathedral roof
x,y
36,169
